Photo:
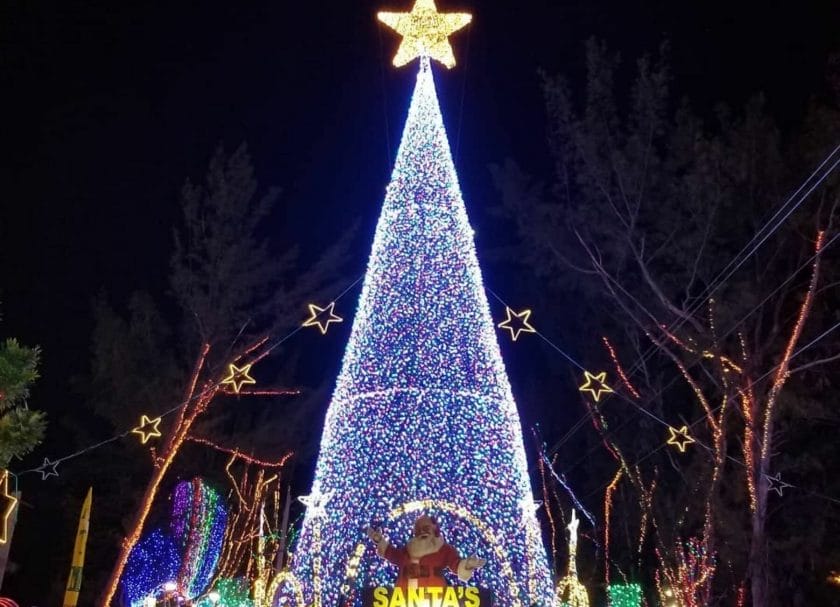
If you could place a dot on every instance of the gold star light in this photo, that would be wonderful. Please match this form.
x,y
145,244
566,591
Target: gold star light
x,y
322,323
238,377
148,428
425,32
599,388
10,504
520,326
679,438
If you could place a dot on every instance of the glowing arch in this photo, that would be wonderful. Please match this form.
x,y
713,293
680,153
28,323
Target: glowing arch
x,y
291,578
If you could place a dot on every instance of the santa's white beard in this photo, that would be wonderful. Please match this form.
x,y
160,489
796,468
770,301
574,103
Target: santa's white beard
x,y
421,546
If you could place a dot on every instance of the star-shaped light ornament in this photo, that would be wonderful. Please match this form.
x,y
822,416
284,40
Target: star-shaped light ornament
x,y
238,377
425,32
316,502
9,503
516,323
148,428
595,384
316,317
775,483
47,469
679,438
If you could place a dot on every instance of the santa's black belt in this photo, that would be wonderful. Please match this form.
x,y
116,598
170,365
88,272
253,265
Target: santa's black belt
x,y
418,571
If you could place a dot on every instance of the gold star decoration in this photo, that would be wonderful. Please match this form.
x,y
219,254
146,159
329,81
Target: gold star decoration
x,y
148,428
322,323
8,509
519,325
679,438
425,32
597,390
238,377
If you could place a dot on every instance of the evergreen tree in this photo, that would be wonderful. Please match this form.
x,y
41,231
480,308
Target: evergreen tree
x,y
422,418
21,428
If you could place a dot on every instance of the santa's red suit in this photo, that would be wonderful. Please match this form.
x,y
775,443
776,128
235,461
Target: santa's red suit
x,y
423,560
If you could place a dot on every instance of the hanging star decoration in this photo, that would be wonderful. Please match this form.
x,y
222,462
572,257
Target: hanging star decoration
x,y
148,428
516,323
775,483
322,323
10,503
425,32
47,469
316,502
529,504
679,438
600,386
238,377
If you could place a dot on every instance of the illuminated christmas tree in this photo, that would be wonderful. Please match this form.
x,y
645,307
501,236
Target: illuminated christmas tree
x,y
422,419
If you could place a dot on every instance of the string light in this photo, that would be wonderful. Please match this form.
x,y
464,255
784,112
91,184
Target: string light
x,y
9,507
238,377
315,319
47,469
148,428
679,438
425,32
608,495
625,595
516,323
423,361
834,578
619,369
186,553
600,386
239,455
154,560
686,583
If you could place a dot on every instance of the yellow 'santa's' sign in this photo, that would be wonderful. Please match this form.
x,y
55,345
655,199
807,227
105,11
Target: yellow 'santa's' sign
x,y
450,596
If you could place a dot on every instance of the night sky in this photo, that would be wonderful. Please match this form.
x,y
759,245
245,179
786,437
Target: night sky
x,y
109,106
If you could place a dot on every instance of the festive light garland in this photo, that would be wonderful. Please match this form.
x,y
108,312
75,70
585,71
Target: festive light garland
x,y
423,364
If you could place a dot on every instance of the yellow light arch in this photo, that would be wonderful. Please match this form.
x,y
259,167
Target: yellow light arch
x,y
291,578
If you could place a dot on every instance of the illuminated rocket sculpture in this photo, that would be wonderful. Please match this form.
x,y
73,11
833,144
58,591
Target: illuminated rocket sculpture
x,y
422,419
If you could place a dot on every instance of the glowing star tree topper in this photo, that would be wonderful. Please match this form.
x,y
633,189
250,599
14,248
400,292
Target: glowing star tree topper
x,y
422,419
425,32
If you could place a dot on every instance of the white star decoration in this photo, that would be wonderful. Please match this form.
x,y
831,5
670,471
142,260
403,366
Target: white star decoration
x,y
316,502
775,483
47,469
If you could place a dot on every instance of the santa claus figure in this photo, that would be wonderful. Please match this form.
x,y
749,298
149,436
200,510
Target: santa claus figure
x,y
423,559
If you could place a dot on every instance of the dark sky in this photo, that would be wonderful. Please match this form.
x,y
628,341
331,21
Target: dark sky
x,y
109,106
